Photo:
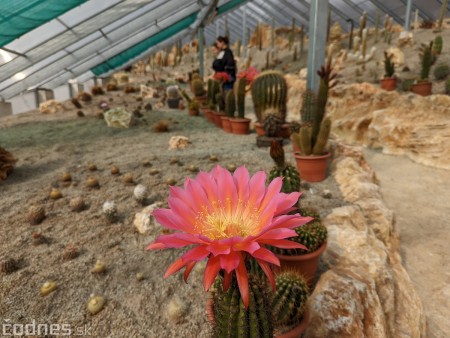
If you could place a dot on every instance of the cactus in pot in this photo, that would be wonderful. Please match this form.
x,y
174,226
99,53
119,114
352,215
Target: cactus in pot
x,y
291,177
197,87
423,86
230,104
389,82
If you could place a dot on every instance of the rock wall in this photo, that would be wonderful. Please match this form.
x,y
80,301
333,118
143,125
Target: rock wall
x,y
366,292
400,124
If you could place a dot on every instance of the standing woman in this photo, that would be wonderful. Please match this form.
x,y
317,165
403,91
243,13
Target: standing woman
x,y
225,62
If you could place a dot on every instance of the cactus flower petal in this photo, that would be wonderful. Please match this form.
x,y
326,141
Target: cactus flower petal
x,y
227,219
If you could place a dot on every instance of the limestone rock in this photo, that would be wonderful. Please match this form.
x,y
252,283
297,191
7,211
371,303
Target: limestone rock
x,y
366,292
118,118
411,125
398,57
144,222
50,107
178,142
147,92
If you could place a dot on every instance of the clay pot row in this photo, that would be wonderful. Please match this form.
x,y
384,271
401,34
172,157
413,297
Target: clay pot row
x,y
236,126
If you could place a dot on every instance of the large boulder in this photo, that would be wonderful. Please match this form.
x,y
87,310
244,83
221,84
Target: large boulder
x,y
118,118
366,292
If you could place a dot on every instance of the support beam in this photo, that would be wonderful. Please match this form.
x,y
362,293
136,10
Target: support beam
x,y
244,33
13,52
408,16
201,48
317,41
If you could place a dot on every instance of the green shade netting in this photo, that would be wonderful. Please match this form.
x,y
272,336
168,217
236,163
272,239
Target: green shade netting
x,y
133,52
18,17
141,47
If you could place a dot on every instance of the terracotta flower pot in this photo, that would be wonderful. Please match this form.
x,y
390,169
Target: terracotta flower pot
x,y
312,168
304,264
284,132
226,124
218,119
193,112
295,332
389,83
422,88
209,114
240,126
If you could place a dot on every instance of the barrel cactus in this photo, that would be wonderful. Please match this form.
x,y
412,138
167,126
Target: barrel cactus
x,y
291,177
230,104
239,89
290,299
173,92
197,87
269,90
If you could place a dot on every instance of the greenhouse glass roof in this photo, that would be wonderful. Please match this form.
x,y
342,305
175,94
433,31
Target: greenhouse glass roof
x,y
46,43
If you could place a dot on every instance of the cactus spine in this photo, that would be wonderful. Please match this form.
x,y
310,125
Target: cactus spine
x,y
230,104
240,97
232,319
269,90
290,299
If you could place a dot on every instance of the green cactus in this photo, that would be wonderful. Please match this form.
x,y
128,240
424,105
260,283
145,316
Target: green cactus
x,y
441,72
220,102
322,138
389,66
291,177
269,90
305,140
194,105
215,89
307,110
197,87
290,299
186,96
438,44
239,88
232,319
309,212
362,24
209,90
426,61
230,104
312,235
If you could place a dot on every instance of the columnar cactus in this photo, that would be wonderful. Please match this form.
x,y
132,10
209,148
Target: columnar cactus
x,y
269,90
362,24
438,44
389,66
291,177
290,299
232,319
239,88
443,13
426,61
307,110
230,104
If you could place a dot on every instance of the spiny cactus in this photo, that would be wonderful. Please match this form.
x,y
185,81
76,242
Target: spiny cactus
x,y
269,90
110,211
230,104
197,87
172,92
232,319
438,44
309,212
239,88
322,138
362,24
441,72
194,105
272,122
312,235
291,177
215,89
389,66
186,96
426,56
307,110
220,102
290,299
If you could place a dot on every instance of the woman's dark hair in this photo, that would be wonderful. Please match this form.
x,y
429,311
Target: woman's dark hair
x,y
223,39
215,45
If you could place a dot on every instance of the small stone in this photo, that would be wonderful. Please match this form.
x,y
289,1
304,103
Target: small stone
x,y
154,171
92,182
95,304
174,160
140,276
176,310
47,288
128,178
77,204
92,167
171,181
193,168
99,267
115,170
213,158
66,177
146,163
55,194
327,194
144,221
231,167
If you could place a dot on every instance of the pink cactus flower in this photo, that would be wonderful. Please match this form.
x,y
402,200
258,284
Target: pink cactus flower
x,y
228,219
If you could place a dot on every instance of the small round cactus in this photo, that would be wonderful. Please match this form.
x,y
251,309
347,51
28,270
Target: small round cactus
x,y
193,168
7,265
36,214
128,178
70,252
55,194
110,211
115,170
77,204
213,158
140,193
66,177
92,182
289,300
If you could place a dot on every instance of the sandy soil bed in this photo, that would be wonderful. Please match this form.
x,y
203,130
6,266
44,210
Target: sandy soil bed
x,y
134,309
